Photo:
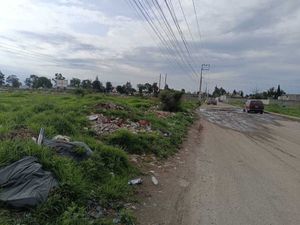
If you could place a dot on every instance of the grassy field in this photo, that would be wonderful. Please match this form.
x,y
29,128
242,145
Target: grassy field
x,y
103,177
285,110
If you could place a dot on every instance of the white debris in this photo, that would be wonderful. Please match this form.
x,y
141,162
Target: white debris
x,y
154,180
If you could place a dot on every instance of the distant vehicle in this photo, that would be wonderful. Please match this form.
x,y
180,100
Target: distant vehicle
x,y
211,101
256,106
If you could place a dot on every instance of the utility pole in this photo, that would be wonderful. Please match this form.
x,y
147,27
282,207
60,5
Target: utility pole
x,y
166,79
203,67
206,94
159,81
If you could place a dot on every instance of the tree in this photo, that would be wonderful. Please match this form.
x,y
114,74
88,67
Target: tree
x,y
218,92
120,89
86,84
42,82
171,100
149,88
97,85
75,82
13,81
242,94
108,87
279,92
141,88
2,79
31,80
58,76
155,89
128,89
234,92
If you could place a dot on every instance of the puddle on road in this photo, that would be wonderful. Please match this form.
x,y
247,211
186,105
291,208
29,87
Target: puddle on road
x,y
238,120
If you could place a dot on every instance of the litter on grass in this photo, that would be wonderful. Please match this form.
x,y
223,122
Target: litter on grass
x,y
154,180
63,146
135,181
25,184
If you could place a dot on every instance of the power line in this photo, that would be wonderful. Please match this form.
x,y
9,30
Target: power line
x,y
174,38
166,42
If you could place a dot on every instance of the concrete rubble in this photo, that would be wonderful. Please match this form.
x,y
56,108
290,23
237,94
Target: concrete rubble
x,y
103,125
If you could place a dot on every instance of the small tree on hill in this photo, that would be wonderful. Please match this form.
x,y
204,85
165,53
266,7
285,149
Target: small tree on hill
x,y
2,79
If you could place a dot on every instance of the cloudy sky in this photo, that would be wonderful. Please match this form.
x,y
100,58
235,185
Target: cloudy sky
x,y
250,44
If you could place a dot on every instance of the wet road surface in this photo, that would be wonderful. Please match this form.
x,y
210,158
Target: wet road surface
x,y
241,169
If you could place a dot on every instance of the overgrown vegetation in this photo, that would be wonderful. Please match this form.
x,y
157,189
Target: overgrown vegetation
x,y
103,177
171,100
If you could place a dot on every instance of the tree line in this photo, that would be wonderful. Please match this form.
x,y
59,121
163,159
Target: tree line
x,y
270,93
36,82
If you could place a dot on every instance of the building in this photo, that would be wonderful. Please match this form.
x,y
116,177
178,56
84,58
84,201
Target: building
x,y
290,97
61,84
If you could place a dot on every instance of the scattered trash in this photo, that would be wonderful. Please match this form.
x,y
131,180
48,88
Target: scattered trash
x,y
25,184
41,136
62,138
76,150
95,210
92,117
154,180
135,181
63,146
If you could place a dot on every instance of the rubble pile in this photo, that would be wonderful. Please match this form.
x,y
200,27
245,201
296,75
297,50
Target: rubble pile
x,y
103,125
109,106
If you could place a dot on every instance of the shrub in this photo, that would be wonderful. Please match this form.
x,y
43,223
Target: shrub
x,y
170,100
79,92
74,215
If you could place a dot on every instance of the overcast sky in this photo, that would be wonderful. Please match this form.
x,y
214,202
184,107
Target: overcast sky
x,y
250,44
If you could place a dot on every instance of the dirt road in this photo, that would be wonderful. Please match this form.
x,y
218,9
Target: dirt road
x,y
240,169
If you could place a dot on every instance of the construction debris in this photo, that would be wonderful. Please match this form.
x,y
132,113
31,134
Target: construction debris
x,y
106,125
110,106
163,114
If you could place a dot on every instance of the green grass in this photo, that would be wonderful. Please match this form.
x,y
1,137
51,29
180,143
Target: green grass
x,y
103,177
285,110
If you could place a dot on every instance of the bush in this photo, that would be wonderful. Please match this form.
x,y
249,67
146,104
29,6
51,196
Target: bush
x,y
171,100
79,92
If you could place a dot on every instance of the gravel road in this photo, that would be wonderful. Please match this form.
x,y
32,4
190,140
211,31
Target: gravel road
x,y
234,169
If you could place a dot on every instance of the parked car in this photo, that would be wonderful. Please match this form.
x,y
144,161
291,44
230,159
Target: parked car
x,y
256,106
211,101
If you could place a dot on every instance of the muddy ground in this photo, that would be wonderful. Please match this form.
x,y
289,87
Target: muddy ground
x,y
234,168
